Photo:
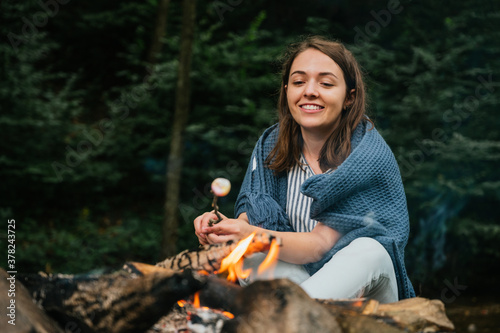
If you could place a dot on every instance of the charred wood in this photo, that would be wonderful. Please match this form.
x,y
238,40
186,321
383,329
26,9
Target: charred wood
x,y
209,257
219,294
118,302
28,316
279,306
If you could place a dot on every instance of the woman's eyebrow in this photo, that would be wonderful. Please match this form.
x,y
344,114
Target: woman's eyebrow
x,y
320,74
328,73
298,72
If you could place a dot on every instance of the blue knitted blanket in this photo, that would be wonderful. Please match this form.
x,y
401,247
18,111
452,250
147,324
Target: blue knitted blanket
x,y
363,197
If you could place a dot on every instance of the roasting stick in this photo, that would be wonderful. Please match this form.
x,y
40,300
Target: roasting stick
x,y
220,188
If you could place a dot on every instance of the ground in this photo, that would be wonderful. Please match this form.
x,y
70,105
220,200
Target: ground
x,y
475,314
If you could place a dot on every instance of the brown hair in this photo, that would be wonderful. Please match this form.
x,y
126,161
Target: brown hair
x,y
337,147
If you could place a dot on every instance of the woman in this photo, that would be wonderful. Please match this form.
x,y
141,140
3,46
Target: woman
x,y
326,183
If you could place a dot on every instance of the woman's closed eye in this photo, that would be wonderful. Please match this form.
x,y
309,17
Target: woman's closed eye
x,y
325,84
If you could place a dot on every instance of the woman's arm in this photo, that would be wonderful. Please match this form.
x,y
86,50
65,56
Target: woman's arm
x,y
297,247
306,247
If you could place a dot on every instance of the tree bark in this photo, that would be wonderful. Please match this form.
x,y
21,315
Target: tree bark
x,y
159,32
175,158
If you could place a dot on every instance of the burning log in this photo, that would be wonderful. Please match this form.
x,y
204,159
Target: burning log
x,y
25,316
217,293
117,302
220,294
209,257
279,306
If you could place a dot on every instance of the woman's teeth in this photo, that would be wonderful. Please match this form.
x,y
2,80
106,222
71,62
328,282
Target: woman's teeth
x,y
311,107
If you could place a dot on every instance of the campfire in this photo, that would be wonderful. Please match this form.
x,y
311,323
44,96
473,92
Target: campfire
x,y
198,291
233,263
205,319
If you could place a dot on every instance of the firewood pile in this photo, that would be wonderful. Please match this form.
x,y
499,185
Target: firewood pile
x,y
190,293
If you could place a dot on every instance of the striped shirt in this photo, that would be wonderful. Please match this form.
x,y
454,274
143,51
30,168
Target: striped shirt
x,y
298,205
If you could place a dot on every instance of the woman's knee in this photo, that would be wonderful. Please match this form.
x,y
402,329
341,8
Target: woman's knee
x,y
373,252
382,284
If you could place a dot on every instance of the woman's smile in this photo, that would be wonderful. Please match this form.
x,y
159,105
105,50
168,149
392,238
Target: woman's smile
x,y
311,108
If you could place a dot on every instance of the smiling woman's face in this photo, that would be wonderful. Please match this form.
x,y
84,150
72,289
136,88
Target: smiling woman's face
x,y
316,92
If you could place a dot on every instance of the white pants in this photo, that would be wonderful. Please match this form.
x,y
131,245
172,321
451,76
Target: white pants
x,y
361,269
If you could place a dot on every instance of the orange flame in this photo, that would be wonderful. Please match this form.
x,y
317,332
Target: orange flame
x,y
196,301
233,263
358,304
203,272
271,258
228,314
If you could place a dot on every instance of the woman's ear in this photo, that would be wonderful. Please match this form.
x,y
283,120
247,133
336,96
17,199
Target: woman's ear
x,y
286,87
351,96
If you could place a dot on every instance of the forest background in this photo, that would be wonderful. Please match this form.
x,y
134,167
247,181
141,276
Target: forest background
x,y
88,119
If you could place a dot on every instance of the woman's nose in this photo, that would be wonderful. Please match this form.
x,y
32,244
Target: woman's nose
x,y
310,89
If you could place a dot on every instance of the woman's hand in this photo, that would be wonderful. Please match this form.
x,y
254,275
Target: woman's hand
x,y
201,222
226,230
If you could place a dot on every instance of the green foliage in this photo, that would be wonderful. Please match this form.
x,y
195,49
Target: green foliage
x,y
84,245
60,155
39,108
